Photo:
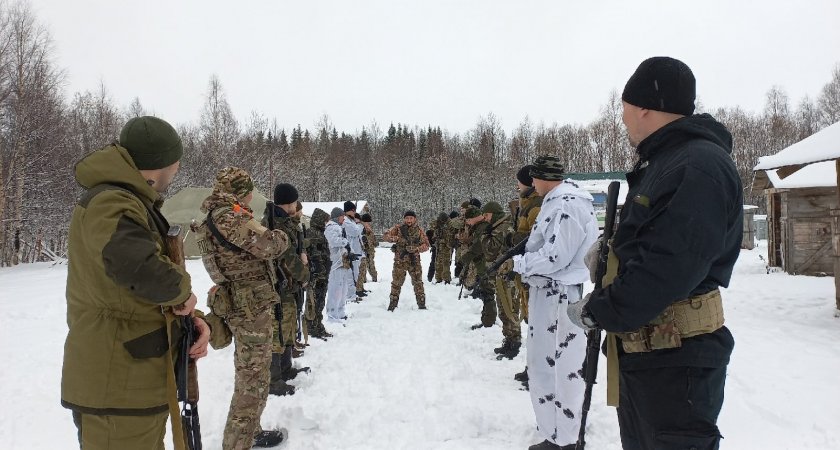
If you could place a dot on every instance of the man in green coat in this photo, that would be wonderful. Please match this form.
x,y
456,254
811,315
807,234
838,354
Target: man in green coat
x,y
121,287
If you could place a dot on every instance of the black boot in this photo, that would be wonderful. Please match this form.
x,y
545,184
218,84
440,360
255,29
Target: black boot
x,y
361,293
500,350
268,439
293,372
393,305
522,376
281,388
511,351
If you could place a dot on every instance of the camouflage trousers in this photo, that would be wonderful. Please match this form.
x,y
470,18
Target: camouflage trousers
x,y
486,291
443,260
410,264
252,337
314,316
285,329
508,300
369,266
362,275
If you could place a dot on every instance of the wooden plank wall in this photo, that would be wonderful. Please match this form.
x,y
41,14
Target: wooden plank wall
x,y
806,230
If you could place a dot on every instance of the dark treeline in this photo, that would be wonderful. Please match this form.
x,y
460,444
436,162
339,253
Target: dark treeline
x,y
394,166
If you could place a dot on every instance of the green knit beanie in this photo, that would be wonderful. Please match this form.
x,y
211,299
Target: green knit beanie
x,y
151,142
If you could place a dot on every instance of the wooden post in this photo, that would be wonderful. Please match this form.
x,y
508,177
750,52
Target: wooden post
x,y
835,239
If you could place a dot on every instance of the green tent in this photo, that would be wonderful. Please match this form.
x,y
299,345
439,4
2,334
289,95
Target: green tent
x,y
184,207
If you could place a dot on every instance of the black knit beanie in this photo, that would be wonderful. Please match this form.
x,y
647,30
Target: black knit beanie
x,y
524,175
285,193
349,206
453,214
662,84
409,213
367,218
151,142
475,202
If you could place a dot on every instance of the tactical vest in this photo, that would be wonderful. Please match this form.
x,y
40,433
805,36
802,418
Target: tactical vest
x,y
224,261
411,240
527,202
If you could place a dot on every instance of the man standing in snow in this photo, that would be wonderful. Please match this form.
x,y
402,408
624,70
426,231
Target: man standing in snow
x,y
409,242
237,252
369,246
677,241
353,229
120,280
318,252
340,268
553,266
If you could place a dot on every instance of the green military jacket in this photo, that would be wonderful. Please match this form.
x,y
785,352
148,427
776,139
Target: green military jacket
x,y
289,262
118,280
317,248
443,235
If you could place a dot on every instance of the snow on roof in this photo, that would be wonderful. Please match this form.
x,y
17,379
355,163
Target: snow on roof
x,y
821,174
309,207
593,186
821,146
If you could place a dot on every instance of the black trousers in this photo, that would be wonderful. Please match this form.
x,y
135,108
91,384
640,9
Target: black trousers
x,y
671,408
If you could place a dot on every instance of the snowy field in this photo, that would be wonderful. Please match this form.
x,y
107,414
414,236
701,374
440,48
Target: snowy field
x,y
422,380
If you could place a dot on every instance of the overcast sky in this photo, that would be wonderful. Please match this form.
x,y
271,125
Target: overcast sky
x,y
439,62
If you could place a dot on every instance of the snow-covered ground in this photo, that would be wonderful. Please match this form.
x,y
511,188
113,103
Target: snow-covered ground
x,y
422,380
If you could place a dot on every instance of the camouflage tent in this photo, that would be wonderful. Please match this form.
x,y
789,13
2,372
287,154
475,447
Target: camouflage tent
x,y
184,207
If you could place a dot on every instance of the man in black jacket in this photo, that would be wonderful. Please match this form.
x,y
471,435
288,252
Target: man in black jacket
x,y
678,237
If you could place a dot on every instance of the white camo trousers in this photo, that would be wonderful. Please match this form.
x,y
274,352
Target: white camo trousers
x,y
556,352
337,293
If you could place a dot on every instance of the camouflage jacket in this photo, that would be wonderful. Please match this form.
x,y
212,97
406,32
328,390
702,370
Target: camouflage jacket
x,y
244,260
526,214
317,248
408,240
289,263
442,234
369,242
493,237
473,252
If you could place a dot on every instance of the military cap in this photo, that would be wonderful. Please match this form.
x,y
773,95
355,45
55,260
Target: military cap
x,y
151,142
443,217
547,168
465,204
493,208
234,180
472,212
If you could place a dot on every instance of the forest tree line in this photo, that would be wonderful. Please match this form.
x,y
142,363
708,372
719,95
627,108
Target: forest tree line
x,y
43,132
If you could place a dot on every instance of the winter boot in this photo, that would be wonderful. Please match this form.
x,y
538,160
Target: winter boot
x,y
281,388
361,294
323,331
500,350
511,351
374,278
522,376
421,303
296,353
393,305
547,445
268,439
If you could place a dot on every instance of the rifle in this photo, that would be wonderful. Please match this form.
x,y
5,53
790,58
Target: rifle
x,y
593,337
431,275
299,298
186,372
282,282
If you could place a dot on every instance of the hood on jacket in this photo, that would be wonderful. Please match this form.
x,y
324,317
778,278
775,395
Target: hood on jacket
x,y
319,219
699,126
113,165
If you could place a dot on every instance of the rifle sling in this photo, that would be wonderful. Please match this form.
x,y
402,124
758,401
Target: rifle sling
x,y
218,235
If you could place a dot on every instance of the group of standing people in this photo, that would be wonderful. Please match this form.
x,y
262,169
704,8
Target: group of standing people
x,y
667,349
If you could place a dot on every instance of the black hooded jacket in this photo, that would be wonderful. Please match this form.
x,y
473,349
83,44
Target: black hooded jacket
x,y
679,235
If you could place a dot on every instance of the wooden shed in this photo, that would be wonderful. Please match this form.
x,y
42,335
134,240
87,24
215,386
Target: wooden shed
x,y
748,241
803,217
